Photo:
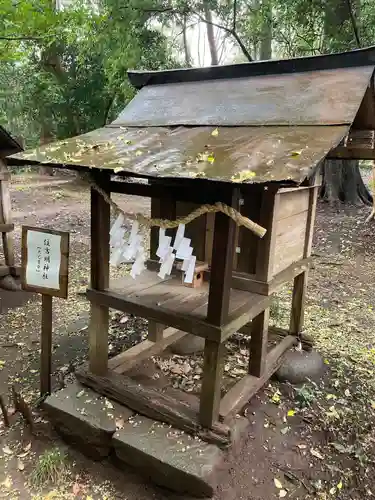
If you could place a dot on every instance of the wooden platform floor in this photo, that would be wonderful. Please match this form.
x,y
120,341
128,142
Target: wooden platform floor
x,y
171,297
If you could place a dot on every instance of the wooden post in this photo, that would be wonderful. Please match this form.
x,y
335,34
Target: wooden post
x,y
266,245
155,331
46,346
211,383
164,208
300,281
6,218
45,257
298,303
222,264
258,343
99,320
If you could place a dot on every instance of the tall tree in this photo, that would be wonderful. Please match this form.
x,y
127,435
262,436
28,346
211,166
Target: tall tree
x,y
210,33
342,180
71,65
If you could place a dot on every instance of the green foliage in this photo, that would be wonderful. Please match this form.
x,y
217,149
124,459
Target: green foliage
x,y
65,71
51,468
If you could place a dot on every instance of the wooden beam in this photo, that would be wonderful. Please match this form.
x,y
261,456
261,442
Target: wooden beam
x,y
99,320
259,343
244,315
248,282
153,404
275,332
185,322
351,153
210,194
222,264
236,398
211,383
144,350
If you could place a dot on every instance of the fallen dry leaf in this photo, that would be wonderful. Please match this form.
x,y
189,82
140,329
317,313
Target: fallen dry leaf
x,y
7,483
283,493
120,423
27,447
277,483
316,453
7,450
20,465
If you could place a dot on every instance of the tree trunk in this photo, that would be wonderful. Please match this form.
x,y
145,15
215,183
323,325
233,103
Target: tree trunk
x,y
188,60
45,138
266,32
210,34
342,182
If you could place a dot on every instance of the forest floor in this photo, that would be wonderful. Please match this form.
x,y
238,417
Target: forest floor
x,y
316,441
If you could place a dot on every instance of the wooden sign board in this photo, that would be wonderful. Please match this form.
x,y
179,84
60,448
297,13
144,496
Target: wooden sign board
x,y
45,261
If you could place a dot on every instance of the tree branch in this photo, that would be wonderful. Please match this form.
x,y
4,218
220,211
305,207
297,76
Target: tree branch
x,y
234,15
20,38
108,109
354,23
231,31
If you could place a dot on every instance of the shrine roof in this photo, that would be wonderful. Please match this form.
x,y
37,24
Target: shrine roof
x,y
254,122
8,145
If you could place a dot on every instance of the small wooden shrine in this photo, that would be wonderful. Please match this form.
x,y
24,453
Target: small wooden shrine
x,y
251,136
8,146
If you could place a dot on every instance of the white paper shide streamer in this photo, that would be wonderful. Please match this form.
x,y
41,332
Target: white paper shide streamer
x,y
181,250
130,250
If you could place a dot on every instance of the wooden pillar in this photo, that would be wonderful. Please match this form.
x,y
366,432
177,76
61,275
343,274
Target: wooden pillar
x,y
222,264
298,303
300,281
164,208
211,383
6,216
99,320
266,245
258,343
217,310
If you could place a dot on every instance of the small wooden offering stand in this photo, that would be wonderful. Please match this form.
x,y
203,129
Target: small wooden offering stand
x,y
243,143
235,293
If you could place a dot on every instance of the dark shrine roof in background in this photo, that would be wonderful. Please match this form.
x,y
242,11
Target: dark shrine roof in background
x,y
8,145
354,58
330,97
254,122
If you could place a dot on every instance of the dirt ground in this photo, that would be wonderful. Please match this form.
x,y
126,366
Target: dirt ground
x,y
315,441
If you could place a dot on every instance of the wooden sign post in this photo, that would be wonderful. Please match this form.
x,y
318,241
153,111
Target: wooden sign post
x,y
45,263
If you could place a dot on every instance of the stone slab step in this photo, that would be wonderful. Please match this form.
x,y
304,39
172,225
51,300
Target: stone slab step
x,y
168,457
85,419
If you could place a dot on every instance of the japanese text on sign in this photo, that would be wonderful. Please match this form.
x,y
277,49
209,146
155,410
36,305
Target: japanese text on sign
x,y
43,259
